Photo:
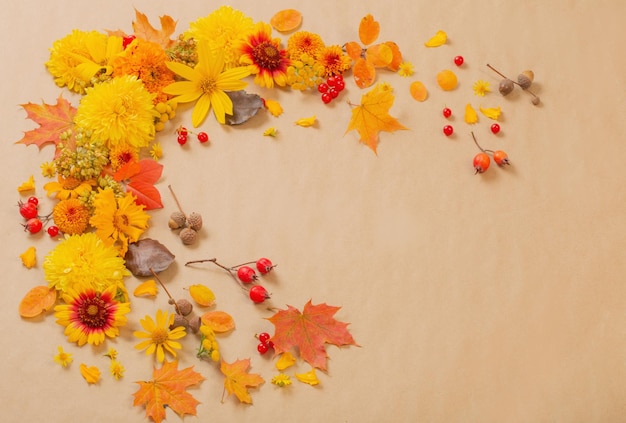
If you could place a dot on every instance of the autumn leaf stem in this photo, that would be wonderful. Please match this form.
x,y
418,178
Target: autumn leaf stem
x,y
166,291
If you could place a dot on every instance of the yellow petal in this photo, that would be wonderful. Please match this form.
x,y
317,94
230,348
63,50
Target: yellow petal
x,y
28,185
91,374
202,295
270,132
418,91
470,114
148,288
286,360
491,112
308,377
29,257
274,107
306,121
437,40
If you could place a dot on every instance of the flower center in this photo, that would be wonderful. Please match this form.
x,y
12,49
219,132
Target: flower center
x,y
208,85
121,221
159,335
93,312
70,183
266,56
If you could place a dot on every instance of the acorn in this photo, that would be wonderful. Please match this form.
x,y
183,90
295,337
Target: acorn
x,y
506,86
188,236
194,324
177,220
179,321
195,221
184,307
525,79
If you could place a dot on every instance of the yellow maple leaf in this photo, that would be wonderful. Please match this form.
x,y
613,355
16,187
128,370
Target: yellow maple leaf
x,y
310,121
491,112
143,29
372,115
238,380
437,40
470,114
29,257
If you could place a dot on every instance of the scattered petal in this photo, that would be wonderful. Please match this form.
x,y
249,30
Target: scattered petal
x,y
306,121
29,257
218,321
286,20
27,186
470,114
286,360
270,132
308,377
39,299
90,374
202,295
369,29
147,289
418,91
491,112
437,40
274,107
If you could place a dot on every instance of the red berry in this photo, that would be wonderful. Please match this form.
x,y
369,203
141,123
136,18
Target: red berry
x,y
33,200
127,40
182,139
258,294
501,158
182,131
333,92
495,128
33,225
332,81
203,137
262,348
28,210
481,162
338,77
53,230
264,265
448,130
340,85
246,274
326,98
322,88
270,344
458,60
446,112
264,337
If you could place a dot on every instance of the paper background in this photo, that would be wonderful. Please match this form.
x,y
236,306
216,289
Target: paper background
x,y
475,298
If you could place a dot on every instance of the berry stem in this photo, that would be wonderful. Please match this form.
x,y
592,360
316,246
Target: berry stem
x,y
478,145
166,291
228,269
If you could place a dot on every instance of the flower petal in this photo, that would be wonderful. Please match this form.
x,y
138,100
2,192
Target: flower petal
x,y
183,70
201,110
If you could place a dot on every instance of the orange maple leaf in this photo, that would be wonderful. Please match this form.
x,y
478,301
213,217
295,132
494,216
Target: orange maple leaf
x,y
143,29
372,115
168,389
140,178
309,331
238,380
53,120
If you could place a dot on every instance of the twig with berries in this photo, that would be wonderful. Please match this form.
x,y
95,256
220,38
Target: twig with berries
x,y
34,221
482,160
183,135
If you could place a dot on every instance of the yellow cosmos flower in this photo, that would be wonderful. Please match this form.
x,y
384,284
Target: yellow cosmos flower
x,y
84,259
65,188
118,221
71,216
207,83
158,336
118,111
334,60
90,374
63,358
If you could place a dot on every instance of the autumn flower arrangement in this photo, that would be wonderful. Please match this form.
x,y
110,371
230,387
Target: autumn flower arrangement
x,y
105,168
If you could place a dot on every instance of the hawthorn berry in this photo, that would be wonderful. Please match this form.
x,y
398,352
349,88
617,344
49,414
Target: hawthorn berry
x,y
33,225
264,265
246,274
53,230
258,294
481,162
33,200
501,158
28,210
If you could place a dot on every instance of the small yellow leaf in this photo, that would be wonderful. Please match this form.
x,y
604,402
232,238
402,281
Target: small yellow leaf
x,y
91,374
491,112
146,289
274,107
270,132
306,121
437,40
202,295
470,114
418,91
29,185
308,377
218,321
286,360
29,257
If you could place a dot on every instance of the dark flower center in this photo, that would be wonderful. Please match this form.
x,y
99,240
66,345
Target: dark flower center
x,y
266,56
93,312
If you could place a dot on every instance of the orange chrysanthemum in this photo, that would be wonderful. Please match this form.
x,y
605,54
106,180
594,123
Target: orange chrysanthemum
x,y
304,42
265,57
334,60
71,216
122,154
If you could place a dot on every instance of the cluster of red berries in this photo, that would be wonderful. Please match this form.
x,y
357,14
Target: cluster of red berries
x,y
34,222
183,134
482,160
265,343
331,88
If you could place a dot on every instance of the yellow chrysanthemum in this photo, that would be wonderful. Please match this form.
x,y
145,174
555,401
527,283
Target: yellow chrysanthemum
x,y
304,42
120,110
84,259
145,60
89,316
68,187
111,353
122,154
481,87
118,221
71,216
224,29
206,83
48,170
158,336
334,60
64,58
63,358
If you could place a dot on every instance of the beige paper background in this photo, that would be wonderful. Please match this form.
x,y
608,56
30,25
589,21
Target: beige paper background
x,y
475,298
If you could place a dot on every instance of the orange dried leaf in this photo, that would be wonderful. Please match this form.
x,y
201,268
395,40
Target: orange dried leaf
x,y
143,29
238,380
364,73
354,50
219,321
369,29
419,91
372,116
37,300
53,121
286,20
168,389
397,56
379,55
202,295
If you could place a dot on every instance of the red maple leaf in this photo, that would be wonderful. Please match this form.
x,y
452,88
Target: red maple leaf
x,y
309,331
140,178
53,120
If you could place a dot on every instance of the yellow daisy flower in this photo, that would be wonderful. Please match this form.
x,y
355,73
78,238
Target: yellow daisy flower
x,y
206,83
267,61
481,87
48,170
63,358
118,221
281,380
117,370
406,69
158,336
156,151
111,353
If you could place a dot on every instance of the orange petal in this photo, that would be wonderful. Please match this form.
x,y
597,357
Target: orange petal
x,y
353,49
219,321
419,91
364,73
37,300
286,20
397,56
368,29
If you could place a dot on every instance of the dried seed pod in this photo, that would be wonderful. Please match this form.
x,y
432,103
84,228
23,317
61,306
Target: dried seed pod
x,y
525,79
535,100
194,324
177,220
184,307
506,86
188,236
179,321
195,221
